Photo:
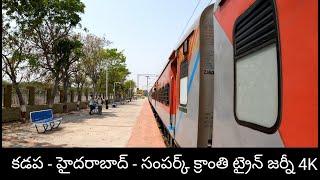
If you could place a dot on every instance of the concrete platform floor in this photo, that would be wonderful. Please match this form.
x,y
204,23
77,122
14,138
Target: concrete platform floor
x,y
146,133
128,125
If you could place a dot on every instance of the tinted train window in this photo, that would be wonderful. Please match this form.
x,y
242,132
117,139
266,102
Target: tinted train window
x,y
257,68
184,82
160,95
167,94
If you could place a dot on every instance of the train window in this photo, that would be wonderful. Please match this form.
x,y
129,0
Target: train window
x,y
167,93
257,68
160,95
186,47
184,82
161,100
177,54
165,99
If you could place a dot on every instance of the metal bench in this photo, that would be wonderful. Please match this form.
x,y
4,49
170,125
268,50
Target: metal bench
x,y
44,118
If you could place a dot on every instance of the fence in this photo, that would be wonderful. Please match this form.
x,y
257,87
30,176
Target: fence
x,y
15,97
15,100
39,97
3,89
76,99
56,99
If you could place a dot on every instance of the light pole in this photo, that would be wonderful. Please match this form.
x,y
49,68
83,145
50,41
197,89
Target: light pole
x,y
114,93
107,99
147,85
145,75
129,93
131,90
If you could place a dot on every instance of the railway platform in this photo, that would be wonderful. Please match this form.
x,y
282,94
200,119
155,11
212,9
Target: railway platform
x,y
128,125
146,133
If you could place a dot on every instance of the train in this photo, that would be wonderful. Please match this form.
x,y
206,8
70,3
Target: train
x,y
244,75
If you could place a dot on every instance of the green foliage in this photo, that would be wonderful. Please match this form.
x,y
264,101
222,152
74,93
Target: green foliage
x,y
47,25
38,85
4,82
128,87
15,51
94,57
117,70
37,39
33,13
65,48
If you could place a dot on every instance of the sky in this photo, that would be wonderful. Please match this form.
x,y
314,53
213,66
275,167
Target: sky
x,y
147,30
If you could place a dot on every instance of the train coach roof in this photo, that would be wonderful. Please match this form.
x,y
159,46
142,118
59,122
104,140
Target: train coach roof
x,y
184,37
194,26
187,34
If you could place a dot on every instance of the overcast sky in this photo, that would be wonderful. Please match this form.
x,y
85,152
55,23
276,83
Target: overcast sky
x,y
147,30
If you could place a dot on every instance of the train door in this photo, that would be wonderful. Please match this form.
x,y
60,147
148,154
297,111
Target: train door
x,y
247,84
172,98
155,96
259,98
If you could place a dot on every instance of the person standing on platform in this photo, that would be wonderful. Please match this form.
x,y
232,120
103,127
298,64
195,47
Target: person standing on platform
x,y
91,103
100,102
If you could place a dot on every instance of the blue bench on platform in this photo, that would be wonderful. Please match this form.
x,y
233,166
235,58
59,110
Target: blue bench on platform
x,y
44,118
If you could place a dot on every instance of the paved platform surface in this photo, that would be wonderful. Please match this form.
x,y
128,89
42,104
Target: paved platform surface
x,y
79,129
146,132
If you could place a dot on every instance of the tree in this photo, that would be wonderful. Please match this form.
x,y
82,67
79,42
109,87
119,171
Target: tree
x,y
117,68
128,87
46,22
94,57
101,83
69,52
79,77
15,53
